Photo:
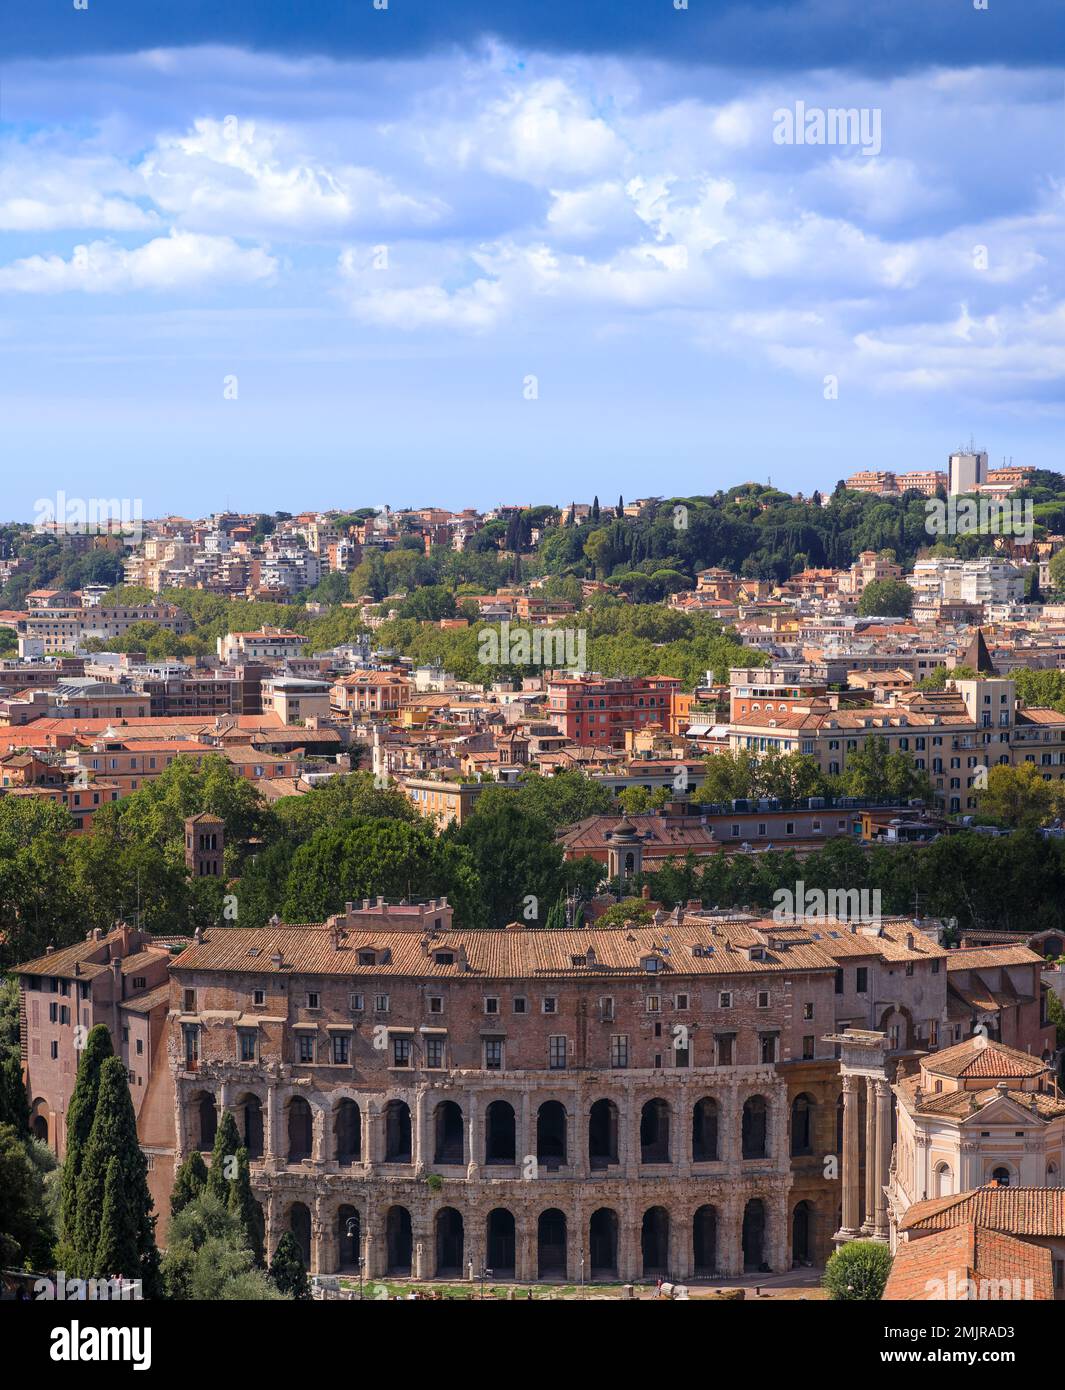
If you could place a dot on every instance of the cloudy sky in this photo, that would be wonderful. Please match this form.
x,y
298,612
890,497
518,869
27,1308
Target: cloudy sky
x,y
309,254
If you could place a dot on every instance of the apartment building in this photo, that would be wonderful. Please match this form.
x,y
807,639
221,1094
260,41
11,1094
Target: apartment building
x,y
599,712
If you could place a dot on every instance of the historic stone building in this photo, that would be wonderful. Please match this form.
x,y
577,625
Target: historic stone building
x,y
596,1104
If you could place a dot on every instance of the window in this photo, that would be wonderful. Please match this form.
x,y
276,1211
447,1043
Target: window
x,y
556,1052
681,1001
724,1048
259,997
380,1003
305,1047
248,1038
521,1004
189,1004
807,1012
314,1000
768,1048
763,999
341,1049
839,981
653,1003
436,1004
355,1003
619,1050
401,1052
445,958
491,1005
861,982
434,1053
606,1010
140,982
367,957
493,1054
808,1048
53,1049
550,1004
724,1000
140,1047
53,1013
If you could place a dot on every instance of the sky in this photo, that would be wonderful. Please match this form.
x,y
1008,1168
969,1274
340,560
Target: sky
x,y
314,254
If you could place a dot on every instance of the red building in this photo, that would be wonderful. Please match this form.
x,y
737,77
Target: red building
x,y
594,711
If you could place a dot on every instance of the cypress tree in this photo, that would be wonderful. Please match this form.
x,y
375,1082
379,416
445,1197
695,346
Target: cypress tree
x,y
80,1115
287,1269
114,1135
245,1208
189,1182
226,1144
116,1251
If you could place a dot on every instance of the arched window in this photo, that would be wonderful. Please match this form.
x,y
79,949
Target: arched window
x,y
944,1180
448,1147
654,1132
603,1134
347,1125
397,1132
300,1130
704,1131
802,1125
551,1134
499,1132
754,1128
1001,1176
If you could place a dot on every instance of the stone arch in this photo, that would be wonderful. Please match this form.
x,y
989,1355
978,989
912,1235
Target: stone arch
x,y
705,1130
39,1120
397,1132
551,1134
754,1234
299,1223
399,1241
909,1037
205,1107
654,1242
551,1244
1002,1174
299,1120
501,1242
942,1180
500,1133
654,1131
602,1134
803,1114
347,1131
450,1242
755,1127
449,1142
250,1123
603,1243
704,1241
802,1233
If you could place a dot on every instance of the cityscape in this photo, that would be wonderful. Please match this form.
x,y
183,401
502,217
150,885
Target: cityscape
x,y
532,667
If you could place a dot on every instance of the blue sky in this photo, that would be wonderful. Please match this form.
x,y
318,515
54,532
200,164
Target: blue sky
x,y
374,228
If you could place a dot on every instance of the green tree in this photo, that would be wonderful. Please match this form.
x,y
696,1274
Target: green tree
x,y
226,1144
80,1114
1018,797
27,1233
190,1181
632,911
14,1104
246,1209
886,598
515,856
858,1272
208,1259
116,1250
563,799
873,772
287,1269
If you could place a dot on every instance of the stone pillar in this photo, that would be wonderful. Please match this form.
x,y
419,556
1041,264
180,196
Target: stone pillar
x,y
683,1140
870,1156
270,1125
473,1243
423,1255
777,1245
473,1158
370,1127
680,1246
320,1262
524,1247
883,1154
421,1137
850,1158
318,1134
525,1138
730,1237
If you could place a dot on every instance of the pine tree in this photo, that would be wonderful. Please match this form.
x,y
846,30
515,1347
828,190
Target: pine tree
x,y
189,1182
80,1115
116,1250
287,1269
114,1135
595,507
245,1208
226,1144
621,508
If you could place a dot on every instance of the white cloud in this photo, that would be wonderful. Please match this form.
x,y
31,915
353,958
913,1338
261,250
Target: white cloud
x,y
180,261
41,190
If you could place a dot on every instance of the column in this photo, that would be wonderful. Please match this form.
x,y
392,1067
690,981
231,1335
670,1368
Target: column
x,y
850,1159
870,1155
421,1140
271,1122
883,1154
366,1137
473,1164
320,1253
683,1131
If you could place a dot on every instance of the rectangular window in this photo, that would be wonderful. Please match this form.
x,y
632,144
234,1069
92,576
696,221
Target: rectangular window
x,y
619,1050
356,1003
606,1009
768,1047
401,1052
556,1052
550,1004
725,1047
436,1004
839,981
341,1049
314,1000
434,1053
493,1054
189,1005
491,1005
808,1048
861,983
724,1000
259,997
681,1001
521,1004
305,1047
763,999
807,1012
380,1003
247,1044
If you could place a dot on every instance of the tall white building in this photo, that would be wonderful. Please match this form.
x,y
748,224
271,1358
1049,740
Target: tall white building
x,y
968,470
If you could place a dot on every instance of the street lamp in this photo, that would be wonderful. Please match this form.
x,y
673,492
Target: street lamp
x,y
350,1226
485,1274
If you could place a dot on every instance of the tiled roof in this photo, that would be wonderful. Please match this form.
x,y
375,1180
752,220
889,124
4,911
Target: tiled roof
x,y
977,1058
1021,1211
989,957
926,1268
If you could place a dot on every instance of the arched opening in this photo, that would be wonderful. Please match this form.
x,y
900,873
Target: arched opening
x,y
551,1244
654,1132
449,1242
603,1134
206,1121
1001,1176
704,1131
397,1132
501,1242
754,1127
551,1134
802,1224
349,1239
753,1235
603,1243
300,1130
943,1180
448,1147
704,1241
39,1121
347,1126
500,1144
399,1244
251,1125
654,1242
1053,1175
802,1125
299,1223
